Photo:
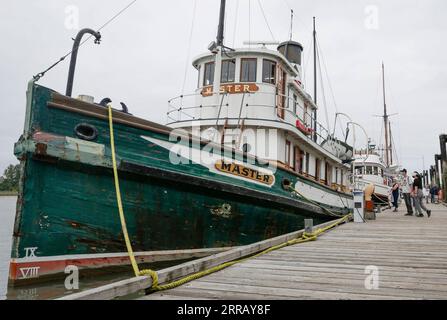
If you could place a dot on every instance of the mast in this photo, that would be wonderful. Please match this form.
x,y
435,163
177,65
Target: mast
x,y
315,80
385,120
220,30
220,48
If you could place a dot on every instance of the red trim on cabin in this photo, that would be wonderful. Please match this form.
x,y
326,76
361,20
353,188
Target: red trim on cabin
x,y
303,128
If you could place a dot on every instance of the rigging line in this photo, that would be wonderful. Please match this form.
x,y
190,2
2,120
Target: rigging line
x,y
328,125
249,23
265,19
235,23
307,59
397,110
306,27
394,147
41,74
329,82
189,46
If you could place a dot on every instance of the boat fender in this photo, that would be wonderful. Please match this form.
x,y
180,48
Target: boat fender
x,y
86,131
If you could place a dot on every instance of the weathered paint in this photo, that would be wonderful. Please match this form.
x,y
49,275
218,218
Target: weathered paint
x,y
67,202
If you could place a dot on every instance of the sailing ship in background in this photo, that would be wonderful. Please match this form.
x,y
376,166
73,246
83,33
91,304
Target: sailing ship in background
x,y
255,186
375,169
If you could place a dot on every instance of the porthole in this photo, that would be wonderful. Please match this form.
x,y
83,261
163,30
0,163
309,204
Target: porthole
x,y
86,131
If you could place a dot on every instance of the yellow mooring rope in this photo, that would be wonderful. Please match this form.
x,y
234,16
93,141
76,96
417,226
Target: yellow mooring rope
x,y
153,274
134,263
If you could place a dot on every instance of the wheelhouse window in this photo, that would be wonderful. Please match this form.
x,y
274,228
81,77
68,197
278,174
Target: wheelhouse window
x,y
376,171
198,76
228,69
208,76
248,70
269,71
359,170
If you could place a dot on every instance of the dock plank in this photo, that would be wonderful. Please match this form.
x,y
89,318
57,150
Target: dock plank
x,y
410,254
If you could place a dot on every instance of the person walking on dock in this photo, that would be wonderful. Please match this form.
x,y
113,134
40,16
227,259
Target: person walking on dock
x,y
426,194
407,184
418,196
433,193
395,194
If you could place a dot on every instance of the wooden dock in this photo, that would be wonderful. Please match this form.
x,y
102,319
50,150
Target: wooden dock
x,y
407,254
410,254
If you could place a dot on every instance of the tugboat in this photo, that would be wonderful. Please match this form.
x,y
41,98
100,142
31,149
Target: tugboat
x,y
243,162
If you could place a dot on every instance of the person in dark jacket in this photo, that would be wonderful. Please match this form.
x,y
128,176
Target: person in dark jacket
x,y
418,196
395,194
433,193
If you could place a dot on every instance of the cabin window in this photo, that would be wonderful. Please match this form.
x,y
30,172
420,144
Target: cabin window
x,y
307,162
228,69
369,170
208,76
299,160
376,171
380,172
268,71
248,70
317,168
336,175
342,177
287,158
359,170
328,174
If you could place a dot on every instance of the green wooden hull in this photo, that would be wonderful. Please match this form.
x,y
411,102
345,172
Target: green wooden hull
x,y
67,201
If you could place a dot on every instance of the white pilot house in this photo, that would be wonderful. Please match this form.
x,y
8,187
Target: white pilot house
x,y
261,89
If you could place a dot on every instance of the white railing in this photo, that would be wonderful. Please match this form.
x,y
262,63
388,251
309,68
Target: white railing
x,y
185,108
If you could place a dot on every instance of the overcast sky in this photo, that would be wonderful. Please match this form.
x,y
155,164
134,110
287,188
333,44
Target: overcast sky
x,y
145,52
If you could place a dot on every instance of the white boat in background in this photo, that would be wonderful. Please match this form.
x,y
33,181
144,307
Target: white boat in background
x,y
371,169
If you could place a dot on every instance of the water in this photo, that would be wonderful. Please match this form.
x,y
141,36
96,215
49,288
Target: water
x,y
7,213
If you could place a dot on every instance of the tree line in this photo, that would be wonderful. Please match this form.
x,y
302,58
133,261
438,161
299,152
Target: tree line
x,y
10,179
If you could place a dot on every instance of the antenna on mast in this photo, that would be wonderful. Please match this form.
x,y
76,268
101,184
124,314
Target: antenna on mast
x,y
291,23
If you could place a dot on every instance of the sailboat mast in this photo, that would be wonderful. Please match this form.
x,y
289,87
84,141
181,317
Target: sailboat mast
x,y
385,120
315,79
